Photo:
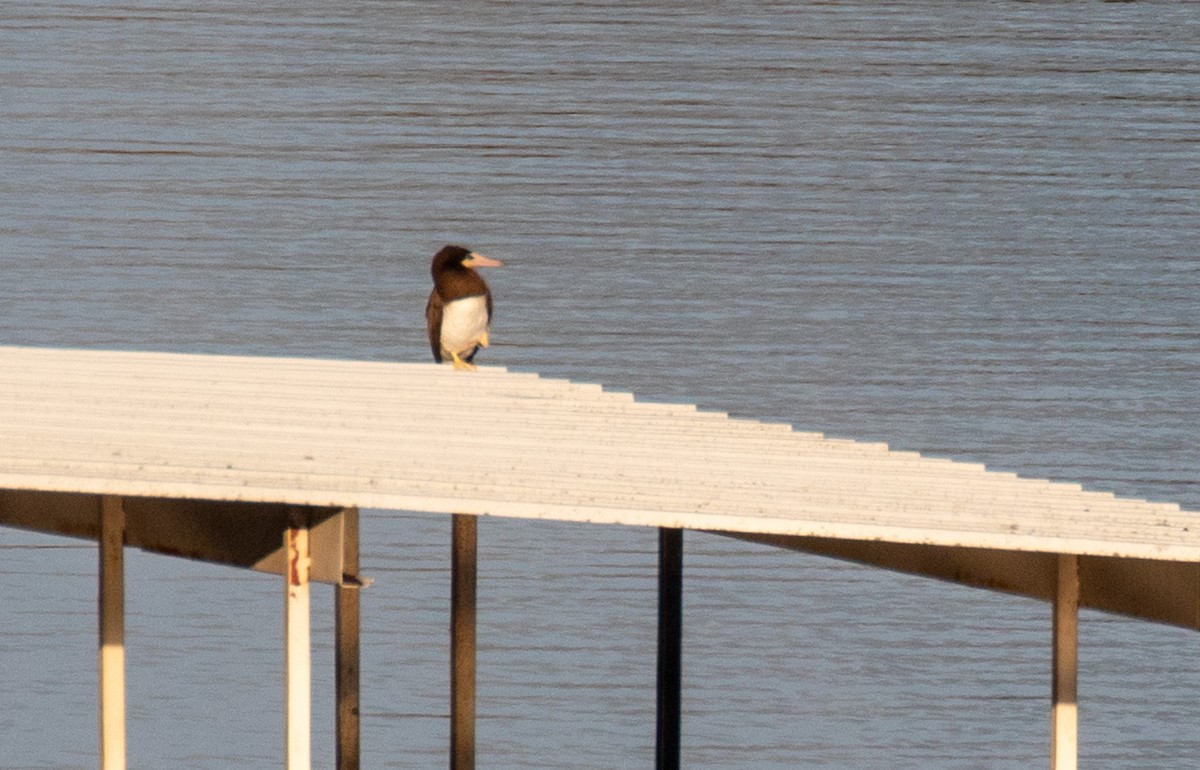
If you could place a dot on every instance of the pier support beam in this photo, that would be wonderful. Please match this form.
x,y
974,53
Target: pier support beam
x,y
347,629
1064,736
112,633
462,643
670,648
297,647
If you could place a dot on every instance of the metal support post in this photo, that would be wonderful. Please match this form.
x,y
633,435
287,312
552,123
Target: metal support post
x,y
112,633
297,648
1064,741
670,648
462,642
347,645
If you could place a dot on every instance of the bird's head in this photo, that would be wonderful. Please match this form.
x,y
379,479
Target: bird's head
x,y
455,257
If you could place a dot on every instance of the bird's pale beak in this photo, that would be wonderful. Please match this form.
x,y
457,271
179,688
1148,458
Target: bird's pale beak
x,y
478,260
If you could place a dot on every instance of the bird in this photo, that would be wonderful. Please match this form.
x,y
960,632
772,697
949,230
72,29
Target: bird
x,y
459,311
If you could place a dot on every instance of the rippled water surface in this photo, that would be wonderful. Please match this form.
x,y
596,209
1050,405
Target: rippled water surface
x,y
965,229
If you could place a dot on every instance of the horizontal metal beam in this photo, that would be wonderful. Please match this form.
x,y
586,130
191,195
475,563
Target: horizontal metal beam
x,y
1161,591
238,534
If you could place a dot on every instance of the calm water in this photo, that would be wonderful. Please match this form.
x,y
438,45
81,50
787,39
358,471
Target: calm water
x,y
968,230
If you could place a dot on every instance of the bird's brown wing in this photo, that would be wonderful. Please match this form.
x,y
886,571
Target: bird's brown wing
x,y
433,317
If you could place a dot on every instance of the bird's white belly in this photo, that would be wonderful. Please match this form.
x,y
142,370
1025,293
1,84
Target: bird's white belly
x,y
464,322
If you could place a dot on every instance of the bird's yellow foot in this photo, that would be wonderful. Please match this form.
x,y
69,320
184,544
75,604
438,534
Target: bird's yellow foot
x,y
460,364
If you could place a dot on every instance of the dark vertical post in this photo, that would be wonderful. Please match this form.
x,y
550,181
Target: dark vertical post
x,y
1064,714
670,647
112,633
346,648
462,644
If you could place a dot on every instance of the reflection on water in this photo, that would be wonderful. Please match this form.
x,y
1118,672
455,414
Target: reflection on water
x,y
967,231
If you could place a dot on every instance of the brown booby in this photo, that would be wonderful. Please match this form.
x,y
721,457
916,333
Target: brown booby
x,y
459,311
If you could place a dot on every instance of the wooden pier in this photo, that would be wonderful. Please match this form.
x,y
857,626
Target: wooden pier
x,y
265,463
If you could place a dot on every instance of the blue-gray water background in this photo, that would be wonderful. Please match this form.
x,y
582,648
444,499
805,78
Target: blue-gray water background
x,y
965,229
